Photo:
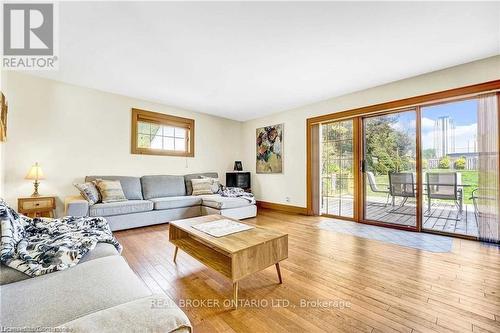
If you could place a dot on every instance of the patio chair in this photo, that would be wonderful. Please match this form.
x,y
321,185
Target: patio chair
x,y
401,184
444,186
474,197
374,187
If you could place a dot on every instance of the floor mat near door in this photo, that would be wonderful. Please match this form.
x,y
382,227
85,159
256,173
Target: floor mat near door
x,y
416,240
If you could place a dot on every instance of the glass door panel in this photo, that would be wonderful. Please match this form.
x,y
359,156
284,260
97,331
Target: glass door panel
x,y
450,165
389,168
337,178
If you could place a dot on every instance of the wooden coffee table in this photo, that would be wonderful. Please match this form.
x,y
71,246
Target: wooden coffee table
x,y
235,256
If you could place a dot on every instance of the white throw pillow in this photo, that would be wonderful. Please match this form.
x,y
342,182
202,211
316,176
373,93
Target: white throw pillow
x,y
215,182
201,186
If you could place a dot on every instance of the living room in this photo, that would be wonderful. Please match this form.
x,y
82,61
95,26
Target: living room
x,y
250,167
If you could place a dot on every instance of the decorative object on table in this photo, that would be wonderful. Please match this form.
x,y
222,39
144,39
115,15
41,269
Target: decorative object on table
x,y
239,179
39,206
222,227
110,190
35,174
238,166
269,143
72,236
89,192
3,118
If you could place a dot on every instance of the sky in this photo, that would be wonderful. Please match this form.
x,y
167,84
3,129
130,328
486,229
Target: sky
x,y
463,113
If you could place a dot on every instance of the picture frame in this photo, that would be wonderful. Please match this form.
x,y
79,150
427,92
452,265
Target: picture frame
x,y
3,118
269,149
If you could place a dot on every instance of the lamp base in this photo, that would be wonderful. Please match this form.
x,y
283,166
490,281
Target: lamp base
x,y
35,193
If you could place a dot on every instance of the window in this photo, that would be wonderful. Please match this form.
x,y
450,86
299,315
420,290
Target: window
x,y
160,134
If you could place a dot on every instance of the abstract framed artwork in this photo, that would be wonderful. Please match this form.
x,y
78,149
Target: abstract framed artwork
x,y
3,118
269,143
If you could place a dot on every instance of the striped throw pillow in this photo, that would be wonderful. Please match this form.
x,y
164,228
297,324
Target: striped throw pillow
x,y
201,186
110,190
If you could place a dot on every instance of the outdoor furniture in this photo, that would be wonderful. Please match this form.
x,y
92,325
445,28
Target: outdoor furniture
x,y
475,199
374,186
444,186
401,184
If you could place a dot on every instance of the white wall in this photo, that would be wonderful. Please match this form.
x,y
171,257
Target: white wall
x,y
292,182
74,131
2,169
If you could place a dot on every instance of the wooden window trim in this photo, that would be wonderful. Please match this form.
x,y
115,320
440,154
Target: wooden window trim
x,y
162,119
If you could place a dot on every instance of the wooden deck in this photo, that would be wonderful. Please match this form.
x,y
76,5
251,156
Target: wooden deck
x,y
443,216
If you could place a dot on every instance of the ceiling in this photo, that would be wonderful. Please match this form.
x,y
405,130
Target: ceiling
x,y
246,60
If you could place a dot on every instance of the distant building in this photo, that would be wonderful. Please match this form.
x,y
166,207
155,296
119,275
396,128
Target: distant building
x,y
444,136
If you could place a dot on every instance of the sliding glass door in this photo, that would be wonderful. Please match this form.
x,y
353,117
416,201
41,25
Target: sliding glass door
x,y
389,168
337,169
433,167
460,167
450,162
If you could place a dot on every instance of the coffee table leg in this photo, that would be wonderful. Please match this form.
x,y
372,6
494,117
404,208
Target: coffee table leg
x,y
279,272
175,253
235,294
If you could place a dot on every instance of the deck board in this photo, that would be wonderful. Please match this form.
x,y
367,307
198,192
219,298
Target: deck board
x,y
444,216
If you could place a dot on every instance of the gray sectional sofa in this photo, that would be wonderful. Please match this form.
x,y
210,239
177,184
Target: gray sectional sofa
x,y
159,199
100,294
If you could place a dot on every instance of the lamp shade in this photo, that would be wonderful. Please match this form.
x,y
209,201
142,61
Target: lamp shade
x,y
35,173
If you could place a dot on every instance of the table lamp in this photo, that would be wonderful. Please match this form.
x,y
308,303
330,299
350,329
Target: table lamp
x,y
35,174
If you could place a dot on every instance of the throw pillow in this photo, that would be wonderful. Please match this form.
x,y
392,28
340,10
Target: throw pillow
x,y
201,186
89,192
110,190
215,183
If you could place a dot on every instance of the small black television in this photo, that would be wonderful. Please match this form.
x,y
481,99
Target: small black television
x,y
238,179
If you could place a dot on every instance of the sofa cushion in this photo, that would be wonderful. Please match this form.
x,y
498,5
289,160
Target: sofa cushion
x,y
175,202
219,202
188,178
131,185
156,313
120,208
101,250
86,288
10,275
162,186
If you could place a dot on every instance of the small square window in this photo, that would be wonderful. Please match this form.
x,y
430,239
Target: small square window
x,y
160,134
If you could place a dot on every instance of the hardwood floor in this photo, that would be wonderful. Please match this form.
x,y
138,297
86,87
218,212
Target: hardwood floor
x,y
350,284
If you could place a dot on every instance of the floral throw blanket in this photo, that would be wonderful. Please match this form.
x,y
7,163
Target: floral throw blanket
x,y
236,192
40,246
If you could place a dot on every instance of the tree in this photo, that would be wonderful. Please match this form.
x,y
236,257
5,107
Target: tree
x,y
429,153
388,148
425,164
444,162
460,163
